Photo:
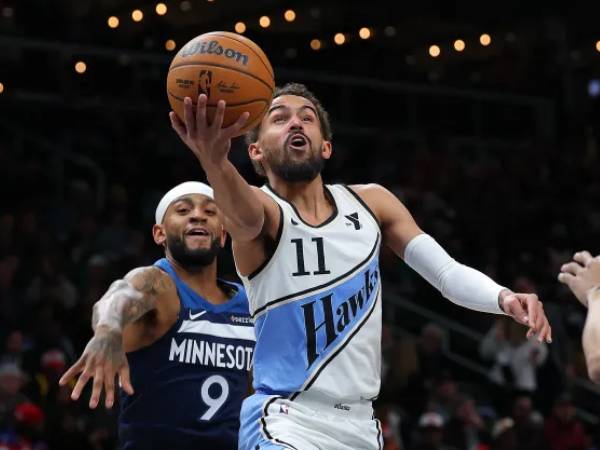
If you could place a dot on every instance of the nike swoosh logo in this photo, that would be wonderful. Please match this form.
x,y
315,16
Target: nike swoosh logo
x,y
195,316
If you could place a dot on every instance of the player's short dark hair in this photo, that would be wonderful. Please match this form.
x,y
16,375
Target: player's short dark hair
x,y
301,91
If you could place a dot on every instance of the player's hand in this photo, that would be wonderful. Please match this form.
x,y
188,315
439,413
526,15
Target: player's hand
x,y
581,275
102,359
210,143
529,311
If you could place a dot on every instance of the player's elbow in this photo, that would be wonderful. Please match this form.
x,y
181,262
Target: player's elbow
x,y
245,231
593,366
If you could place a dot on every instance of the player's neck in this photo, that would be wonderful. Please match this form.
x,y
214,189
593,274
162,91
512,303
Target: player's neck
x,y
202,280
309,198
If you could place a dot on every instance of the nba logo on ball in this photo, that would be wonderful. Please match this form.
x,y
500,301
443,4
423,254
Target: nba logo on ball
x,y
223,66
204,82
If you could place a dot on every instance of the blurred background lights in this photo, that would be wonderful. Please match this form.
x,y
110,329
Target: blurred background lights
x,y
80,67
264,21
240,27
170,45
137,15
113,22
364,33
290,15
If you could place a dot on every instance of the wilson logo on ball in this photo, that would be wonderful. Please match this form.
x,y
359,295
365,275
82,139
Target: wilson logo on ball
x,y
213,48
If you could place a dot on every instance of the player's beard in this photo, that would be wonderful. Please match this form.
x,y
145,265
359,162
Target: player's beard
x,y
192,259
293,171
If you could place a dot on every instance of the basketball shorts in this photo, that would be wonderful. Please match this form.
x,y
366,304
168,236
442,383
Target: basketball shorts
x,y
272,422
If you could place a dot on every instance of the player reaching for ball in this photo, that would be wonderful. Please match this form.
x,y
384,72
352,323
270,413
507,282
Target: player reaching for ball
x,y
187,334
308,256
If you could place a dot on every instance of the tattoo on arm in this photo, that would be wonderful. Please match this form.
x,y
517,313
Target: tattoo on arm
x,y
130,298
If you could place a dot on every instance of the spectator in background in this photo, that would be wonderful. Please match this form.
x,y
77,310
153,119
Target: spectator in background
x,y
29,426
528,424
431,433
503,435
431,356
562,430
12,380
390,426
465,426
25,429
13,348
515,358
51,285
445,397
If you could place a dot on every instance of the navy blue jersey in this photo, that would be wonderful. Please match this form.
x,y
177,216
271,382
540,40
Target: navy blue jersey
x,y
190,383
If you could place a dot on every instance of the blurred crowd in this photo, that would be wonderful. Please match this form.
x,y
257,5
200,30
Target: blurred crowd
x,y
515,215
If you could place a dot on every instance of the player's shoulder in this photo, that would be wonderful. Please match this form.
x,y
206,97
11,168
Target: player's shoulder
x,y
369,189
376,198
150,278
372,194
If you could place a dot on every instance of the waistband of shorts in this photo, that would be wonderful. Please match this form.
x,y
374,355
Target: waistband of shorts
x,y
358,409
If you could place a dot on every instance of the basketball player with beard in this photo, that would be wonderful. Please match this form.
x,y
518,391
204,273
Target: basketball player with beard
x,y
184,336
308,256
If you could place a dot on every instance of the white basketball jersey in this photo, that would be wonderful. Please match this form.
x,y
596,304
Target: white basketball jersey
x,y
317,304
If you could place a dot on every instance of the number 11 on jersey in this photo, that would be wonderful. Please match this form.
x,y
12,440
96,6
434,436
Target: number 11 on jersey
x,y
321,268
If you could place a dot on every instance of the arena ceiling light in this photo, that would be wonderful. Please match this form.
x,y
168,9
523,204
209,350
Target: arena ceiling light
x,y
137,15
240,27
315,44
434,51
80,67
264,21
485,39
170,45
113,22
459,45
339,38
161,9
289,15
365,33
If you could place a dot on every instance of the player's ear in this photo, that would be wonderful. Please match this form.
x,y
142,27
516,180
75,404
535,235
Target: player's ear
x,y
326,149
255,152
158,233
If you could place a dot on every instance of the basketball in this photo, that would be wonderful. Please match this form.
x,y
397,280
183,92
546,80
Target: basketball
x,y
224,66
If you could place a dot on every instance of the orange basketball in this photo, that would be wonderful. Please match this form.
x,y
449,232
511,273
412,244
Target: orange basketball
x,y
224,66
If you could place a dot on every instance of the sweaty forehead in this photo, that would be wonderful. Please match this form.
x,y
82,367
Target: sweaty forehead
x,y
292,102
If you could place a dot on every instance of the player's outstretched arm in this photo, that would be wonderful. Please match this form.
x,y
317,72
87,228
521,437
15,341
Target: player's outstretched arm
x,y
246,208
582,276
103,358
458,283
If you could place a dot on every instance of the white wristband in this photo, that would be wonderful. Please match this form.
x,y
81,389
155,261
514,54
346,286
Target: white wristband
x,y
458,283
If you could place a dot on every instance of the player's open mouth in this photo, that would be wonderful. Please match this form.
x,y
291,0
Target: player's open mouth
x,y
297,142
197,232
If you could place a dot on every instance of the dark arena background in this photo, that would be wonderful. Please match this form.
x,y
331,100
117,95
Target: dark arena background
x,y
483,117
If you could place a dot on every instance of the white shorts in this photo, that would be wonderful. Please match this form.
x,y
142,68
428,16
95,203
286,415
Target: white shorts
x,y
274,422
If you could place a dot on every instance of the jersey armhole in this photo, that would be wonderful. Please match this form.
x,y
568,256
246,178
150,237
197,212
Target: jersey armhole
x,y
275,247
363,203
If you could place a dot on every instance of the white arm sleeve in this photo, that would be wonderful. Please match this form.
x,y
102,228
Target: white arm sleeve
x,y
458,283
